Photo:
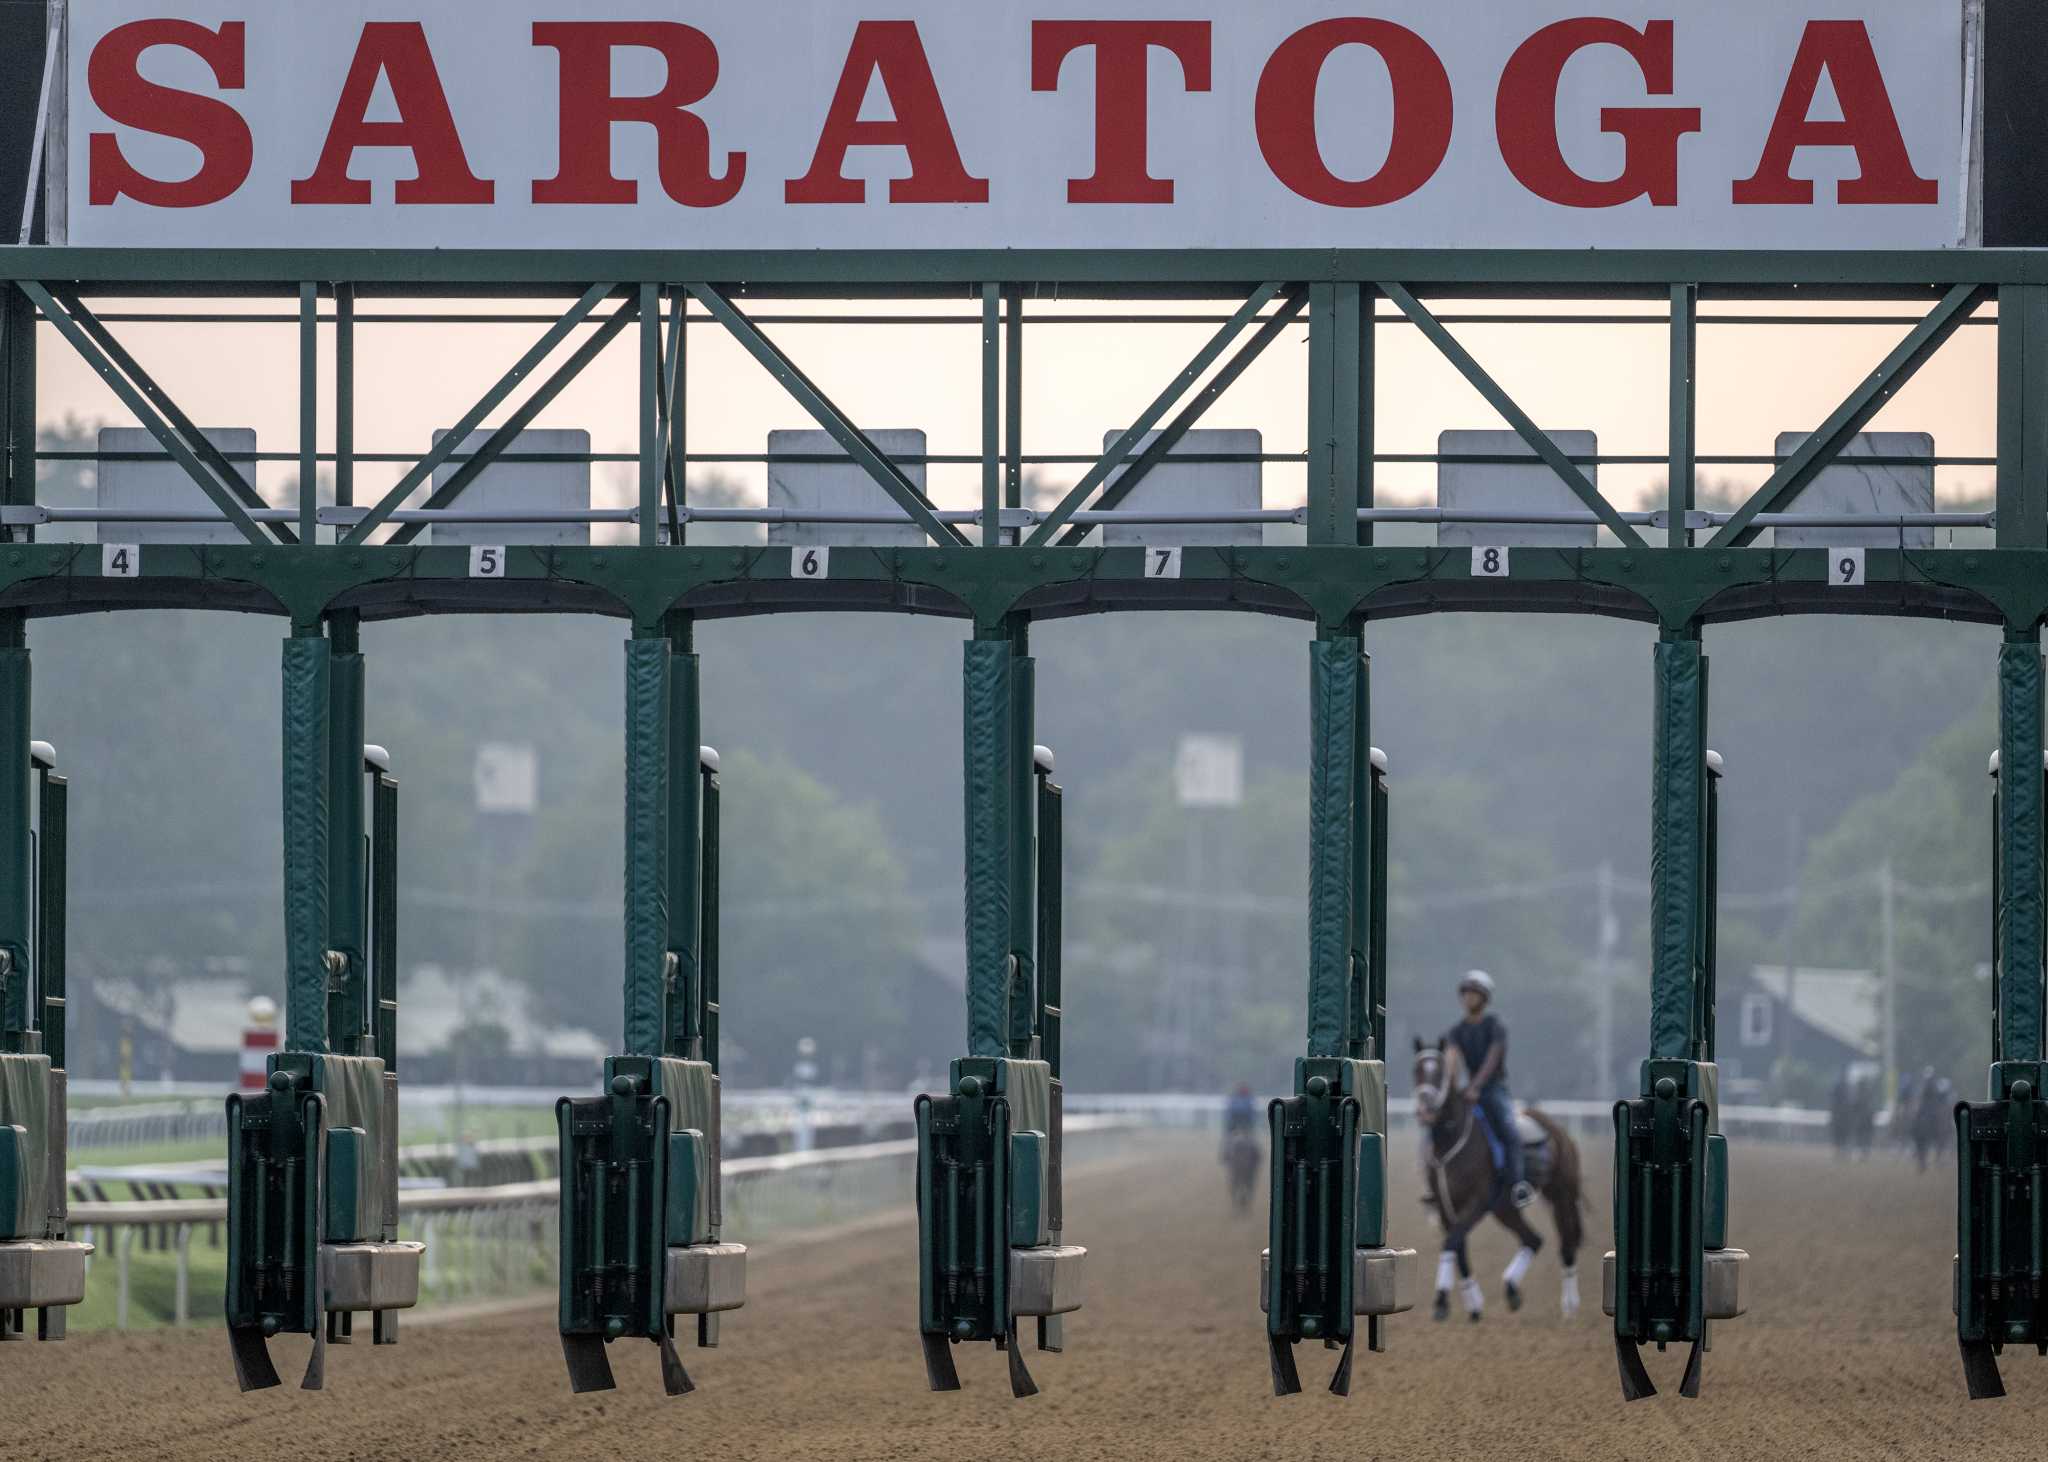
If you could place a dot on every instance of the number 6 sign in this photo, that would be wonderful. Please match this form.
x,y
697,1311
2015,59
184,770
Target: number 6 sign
x,y
809,563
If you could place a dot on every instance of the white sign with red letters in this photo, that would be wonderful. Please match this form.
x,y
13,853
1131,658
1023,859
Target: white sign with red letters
x,y
1157,124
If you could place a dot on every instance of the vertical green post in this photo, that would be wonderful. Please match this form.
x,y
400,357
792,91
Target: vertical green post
x,y
988,748
348,1004
1361,1034
679,407
17,877
308,681
1677,813
1013,398
17,404
647,757
1023,870
1336,663
684,1026
2022,491
991,416
1685,300
1340,426
2020,857
309,413
344,395
650,414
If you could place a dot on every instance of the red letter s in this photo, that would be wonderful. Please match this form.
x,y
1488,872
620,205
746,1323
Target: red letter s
x,y
114,78
1525,117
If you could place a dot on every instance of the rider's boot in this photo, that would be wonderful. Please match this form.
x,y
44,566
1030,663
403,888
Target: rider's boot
x,y
1522,1195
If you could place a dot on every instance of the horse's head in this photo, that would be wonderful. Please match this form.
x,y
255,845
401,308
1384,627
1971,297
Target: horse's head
x,y
1432,1077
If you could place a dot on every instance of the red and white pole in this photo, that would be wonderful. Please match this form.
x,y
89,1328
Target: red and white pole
x,y
259,1038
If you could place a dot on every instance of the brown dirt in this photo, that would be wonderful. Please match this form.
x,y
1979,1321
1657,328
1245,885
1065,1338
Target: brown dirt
x,y
1847,1351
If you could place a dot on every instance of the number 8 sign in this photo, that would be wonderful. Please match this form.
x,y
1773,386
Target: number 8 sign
x,y
1489,562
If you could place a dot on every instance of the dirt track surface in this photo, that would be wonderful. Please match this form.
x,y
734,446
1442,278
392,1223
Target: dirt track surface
x,y
1847,1352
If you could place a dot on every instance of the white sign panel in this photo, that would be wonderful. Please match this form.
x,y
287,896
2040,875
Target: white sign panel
x,y
1208,770
507,775
845,124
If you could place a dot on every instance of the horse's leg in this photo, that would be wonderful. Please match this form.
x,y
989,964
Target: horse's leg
x,y
1475,1301
1531,1241
1571,1232
1446,1271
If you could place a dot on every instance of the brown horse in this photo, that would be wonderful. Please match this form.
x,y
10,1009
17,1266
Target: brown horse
x,y
1464,1185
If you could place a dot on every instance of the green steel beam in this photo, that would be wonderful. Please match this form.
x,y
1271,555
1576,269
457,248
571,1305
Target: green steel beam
x,y
991,416
1682,419
875,462
1013,397
1539,440
229,475
647,913
1134,273
672,399
52,911
652,458
17,403
17,871
344,395
1169,436
309,413
1023,858
1121,448
1340,390
2023,416
683,1025
422,470
308,687
348,894
1677,813
1870,397
537,401
133,398
2020,854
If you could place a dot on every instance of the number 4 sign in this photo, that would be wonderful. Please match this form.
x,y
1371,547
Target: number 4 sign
x,y
120,560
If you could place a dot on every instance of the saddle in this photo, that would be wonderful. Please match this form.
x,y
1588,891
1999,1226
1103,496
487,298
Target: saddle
x,y
1536,1153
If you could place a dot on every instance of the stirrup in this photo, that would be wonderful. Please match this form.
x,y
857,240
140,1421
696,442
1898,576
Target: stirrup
x,y
1521,1195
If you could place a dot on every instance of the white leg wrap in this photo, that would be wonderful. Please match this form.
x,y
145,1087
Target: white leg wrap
x,y
1518,1266
1446,1270
1571,1293
1475,1300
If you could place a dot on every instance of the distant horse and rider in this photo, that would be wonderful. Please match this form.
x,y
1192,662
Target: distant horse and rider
x,y
1479,1158
1241,1151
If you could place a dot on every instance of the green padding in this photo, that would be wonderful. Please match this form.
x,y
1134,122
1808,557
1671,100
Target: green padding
x,y
689,1189
16,869
1028,1087
306,691
2019,849
987,749
692,1098
1029,1215
351,1171
25,1103
1678,799
1714,1223
1334,670
353,1087
1372,1191
647,672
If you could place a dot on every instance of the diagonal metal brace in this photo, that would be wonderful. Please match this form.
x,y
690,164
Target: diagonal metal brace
x,y
871,458
473,418
495,444
1170,434
1120,449
1539,440
1820,449
168,437
230,476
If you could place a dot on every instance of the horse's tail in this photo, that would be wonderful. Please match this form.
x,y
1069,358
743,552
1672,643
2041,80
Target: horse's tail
x,y
1565,1187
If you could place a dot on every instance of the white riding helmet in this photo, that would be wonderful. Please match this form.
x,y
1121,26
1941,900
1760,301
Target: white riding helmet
x,y
1478,980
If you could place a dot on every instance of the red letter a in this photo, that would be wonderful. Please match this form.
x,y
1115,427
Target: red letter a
x,y
891,49
398,51
1841,48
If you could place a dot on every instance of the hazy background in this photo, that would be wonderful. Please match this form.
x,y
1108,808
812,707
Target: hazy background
x,y
1519,745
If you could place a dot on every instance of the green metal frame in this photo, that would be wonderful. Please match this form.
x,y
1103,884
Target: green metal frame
x,y
1012,577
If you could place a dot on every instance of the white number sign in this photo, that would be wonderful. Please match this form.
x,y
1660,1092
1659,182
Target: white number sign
x,y
1489,562
1162,563
120,560
809,563
1845,567
487,561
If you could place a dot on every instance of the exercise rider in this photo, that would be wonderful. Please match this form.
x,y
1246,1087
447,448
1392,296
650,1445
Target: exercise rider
x,y
1482,1041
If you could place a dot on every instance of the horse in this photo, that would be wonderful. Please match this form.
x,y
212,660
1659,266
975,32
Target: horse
x,y
1465,1186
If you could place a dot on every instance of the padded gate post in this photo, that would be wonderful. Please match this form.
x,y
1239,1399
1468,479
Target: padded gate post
x,y
17,878
348,1005
307,701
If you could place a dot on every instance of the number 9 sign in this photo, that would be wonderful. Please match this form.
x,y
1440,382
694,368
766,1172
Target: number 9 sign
x,y
1845,567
